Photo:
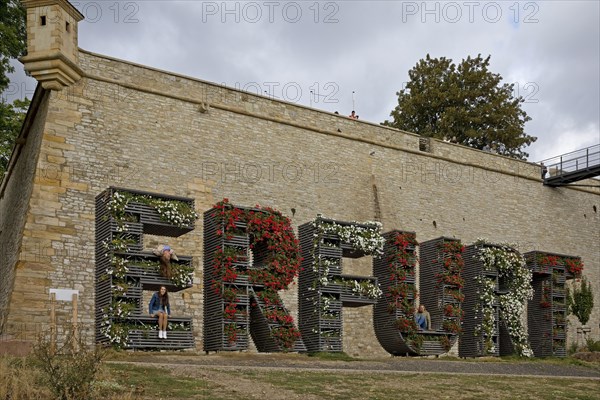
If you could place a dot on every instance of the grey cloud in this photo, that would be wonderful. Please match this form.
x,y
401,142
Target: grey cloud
x,y
369,50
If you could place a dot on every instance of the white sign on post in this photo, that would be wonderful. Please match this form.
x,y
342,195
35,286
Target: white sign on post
x,y
64,294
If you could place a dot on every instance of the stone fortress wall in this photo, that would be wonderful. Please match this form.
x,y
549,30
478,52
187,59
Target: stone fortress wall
x,y
132,126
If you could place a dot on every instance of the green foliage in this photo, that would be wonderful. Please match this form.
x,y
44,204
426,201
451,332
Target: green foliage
x,y
12,37
580,301
592,345
466,101
573,348
12,45
11,119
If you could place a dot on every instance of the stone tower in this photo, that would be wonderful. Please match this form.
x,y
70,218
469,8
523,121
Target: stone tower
x,y
52,51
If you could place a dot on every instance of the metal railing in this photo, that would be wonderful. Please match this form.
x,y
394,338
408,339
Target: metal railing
x,y
579,160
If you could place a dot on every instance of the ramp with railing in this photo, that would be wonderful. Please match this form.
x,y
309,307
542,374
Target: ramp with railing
x,y
572,167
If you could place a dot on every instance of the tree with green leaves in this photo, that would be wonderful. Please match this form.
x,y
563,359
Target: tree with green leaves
x,y
466,102
580,301
12,45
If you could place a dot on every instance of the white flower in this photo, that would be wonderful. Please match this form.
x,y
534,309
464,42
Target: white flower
x,y
512,268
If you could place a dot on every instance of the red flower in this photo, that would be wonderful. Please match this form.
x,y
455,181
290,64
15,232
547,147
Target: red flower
x,y
574,266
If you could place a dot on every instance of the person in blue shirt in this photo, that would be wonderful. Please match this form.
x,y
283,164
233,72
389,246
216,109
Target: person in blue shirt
x,y
423,319
159,307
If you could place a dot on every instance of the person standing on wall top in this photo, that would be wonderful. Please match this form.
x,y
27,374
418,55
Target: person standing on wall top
x,y
423,319
159,307
352,115
544,170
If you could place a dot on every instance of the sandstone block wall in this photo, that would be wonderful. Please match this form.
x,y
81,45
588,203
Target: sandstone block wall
x,y
14,204
131,126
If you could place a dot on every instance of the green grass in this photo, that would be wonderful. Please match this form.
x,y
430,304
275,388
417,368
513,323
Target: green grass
x,y
420,386
232,384
337,356
517,359
553,360
168,378
151,382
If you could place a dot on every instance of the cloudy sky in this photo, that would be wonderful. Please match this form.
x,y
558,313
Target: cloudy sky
x,y
340,55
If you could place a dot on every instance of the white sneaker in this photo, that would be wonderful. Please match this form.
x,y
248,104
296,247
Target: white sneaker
x,y
164,334
160,334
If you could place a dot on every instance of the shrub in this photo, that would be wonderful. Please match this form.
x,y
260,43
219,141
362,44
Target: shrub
x,y
70,370
573,348
581,301
592,345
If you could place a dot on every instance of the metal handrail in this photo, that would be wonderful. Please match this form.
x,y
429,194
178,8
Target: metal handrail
x,y
574,161
569,153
